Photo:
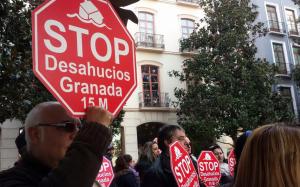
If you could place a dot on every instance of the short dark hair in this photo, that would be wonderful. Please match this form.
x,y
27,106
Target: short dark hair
x,y
166,133
215,146
127,158
21,142
121,164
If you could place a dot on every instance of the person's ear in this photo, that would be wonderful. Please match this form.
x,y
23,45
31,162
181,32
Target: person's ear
x,y
34,134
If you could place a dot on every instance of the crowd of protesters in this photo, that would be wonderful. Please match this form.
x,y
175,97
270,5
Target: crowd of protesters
x,y
268,156
58,150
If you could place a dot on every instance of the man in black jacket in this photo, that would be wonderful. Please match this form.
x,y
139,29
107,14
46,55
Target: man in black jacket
x,y
160,174
57,153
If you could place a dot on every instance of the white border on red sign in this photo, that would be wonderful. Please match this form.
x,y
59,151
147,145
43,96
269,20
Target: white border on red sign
x,y
48,84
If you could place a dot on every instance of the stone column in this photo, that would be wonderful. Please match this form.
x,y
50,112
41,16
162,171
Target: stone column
x,y
8,149
130,133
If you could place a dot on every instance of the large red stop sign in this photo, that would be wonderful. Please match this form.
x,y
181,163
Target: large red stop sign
x,y
83,54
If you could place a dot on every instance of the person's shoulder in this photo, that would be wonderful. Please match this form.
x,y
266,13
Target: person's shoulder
x,y
124,174
10,177
125,177
153,178
16,176
8,173
224,165
153,172
129,175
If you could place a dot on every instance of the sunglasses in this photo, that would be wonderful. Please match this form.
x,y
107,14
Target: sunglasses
x,y
66,126
188,145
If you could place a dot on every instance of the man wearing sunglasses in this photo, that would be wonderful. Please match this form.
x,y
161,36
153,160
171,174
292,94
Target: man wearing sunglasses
x,y
60,151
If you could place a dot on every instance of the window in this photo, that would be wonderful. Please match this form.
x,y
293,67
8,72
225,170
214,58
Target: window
x,y
279,58
286,93
273,19
187,27
150,85
146,22
146,28
296,52
291,22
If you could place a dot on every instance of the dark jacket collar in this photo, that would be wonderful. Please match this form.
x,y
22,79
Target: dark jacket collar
x,y
165,163
32,163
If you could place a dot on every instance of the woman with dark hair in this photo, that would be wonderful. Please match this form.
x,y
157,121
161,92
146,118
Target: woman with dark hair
x,y
124,177
131,164
218,152
224,168
146,159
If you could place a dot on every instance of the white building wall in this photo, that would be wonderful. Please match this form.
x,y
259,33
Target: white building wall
x,y
9,152
133,118
167,22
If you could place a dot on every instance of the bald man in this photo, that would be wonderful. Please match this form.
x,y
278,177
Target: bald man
x,y
58,152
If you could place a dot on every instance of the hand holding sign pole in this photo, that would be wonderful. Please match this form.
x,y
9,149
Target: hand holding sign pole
x,y
83,54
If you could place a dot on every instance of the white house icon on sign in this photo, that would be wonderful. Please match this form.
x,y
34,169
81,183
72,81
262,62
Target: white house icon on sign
x,y
89,11
177,153
207,156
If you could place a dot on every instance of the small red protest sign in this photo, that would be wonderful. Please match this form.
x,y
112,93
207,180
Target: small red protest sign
x,y
209,169
106,173
231,162
182,167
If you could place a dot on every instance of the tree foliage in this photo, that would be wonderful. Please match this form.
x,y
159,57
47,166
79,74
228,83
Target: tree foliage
x,y
227,87
19,89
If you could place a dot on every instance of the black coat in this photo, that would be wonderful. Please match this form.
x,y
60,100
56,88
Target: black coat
x,y
125,178
142,167
160,174
78,169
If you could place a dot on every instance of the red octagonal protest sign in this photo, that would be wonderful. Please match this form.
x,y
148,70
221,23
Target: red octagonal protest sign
x,y
182,166
209,169
83,54
231,162
106,173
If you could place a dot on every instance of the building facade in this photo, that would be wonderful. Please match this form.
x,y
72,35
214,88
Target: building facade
x,y
162,24
9,130
280,45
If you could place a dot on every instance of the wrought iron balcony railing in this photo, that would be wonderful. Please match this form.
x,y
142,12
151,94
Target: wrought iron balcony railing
x,y
276,27
149,40
293,29
154,99
281,69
